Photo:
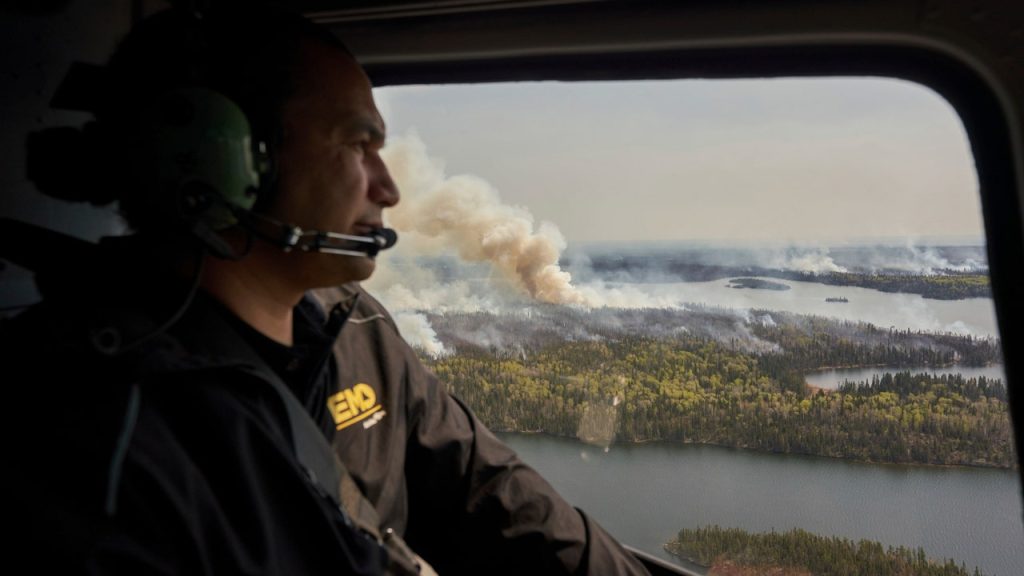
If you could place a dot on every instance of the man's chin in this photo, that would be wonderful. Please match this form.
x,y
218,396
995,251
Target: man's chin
x,y
359,268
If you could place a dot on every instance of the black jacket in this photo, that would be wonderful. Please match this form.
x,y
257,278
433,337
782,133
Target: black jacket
x,y
172,458
463,500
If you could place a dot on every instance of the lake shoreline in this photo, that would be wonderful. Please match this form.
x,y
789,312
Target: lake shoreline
x,y
896,368
756,451
885,368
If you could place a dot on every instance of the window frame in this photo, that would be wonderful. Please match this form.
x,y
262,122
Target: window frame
x,y
971,55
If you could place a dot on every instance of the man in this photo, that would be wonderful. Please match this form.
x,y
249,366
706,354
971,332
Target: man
x,y
186,455
162,370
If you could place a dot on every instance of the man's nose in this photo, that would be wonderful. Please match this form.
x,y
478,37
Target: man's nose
x,y
383,189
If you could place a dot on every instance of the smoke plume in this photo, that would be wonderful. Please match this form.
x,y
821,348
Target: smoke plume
x,y
815,260
917,259
466,214
417,331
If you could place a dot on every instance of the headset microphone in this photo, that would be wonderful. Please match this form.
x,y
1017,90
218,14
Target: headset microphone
x,y
289,237
345,244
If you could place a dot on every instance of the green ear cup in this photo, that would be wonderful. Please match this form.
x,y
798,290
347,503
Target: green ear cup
x,y
203,156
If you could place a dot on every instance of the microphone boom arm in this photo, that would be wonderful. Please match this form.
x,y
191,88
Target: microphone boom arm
x,y
326,242
291,237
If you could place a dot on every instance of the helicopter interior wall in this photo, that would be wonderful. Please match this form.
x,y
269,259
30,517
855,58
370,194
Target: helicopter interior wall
x,y
38,43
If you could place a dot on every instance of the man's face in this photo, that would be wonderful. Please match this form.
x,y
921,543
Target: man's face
x,y
330,174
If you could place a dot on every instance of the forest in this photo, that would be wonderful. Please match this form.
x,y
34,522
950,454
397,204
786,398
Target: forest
x,y
798,553
743,387
948,285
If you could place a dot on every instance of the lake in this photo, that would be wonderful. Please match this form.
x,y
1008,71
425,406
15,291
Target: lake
x,y
974,316
831,379
645,493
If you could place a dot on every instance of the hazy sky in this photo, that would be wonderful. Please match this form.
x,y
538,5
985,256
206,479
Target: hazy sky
x,y
818,160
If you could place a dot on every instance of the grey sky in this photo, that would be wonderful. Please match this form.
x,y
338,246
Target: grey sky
x,y
786,160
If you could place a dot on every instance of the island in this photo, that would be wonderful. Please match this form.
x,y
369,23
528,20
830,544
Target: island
x,y
946,286
736,552
757,284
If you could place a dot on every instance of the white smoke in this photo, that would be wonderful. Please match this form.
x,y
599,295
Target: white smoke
x,y
465,214
418,333
814,260
601,294
438,298
739,334
959,327
925,260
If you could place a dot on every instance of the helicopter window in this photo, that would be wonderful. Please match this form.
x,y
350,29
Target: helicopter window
x,y
717,314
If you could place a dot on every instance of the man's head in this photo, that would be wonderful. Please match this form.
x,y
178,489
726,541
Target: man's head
x,y
330,173
305,96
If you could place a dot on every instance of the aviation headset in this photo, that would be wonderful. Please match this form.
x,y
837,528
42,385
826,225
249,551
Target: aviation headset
x,y
206,166
184,159
203,159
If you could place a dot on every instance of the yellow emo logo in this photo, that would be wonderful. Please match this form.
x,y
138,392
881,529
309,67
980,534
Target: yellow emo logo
x,y
355,404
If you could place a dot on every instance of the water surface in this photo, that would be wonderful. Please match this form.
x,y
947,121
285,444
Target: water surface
x,y
975,316
645,493
831,379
